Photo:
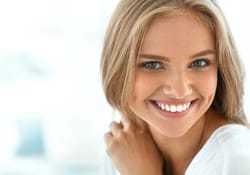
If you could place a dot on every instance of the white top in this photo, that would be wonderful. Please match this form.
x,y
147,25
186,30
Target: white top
x,y
226,152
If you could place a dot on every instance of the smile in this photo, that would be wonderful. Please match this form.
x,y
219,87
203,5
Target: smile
x,y
172,107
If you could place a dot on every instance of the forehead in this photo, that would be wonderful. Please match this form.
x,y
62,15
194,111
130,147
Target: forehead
x,y
181,34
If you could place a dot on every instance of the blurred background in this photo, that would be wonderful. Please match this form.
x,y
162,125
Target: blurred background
x,y
53,113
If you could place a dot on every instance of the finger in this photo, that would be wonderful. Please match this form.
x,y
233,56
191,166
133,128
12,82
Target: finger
x,y
127,122
108,137
115,127
125,119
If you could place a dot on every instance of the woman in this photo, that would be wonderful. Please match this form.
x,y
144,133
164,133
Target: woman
x,y
170,67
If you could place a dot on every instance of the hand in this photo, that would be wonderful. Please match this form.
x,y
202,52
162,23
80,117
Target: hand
x,y
132,149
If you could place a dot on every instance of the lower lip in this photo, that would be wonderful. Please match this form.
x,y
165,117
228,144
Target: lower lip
x,y
167,114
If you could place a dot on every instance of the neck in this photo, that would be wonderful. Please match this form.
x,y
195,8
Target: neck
x,y
179,152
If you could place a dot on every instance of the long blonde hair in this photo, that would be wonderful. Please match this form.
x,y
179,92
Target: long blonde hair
x,y
124,38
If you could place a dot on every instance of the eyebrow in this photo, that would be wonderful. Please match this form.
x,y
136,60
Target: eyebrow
x,y
203,53
158,57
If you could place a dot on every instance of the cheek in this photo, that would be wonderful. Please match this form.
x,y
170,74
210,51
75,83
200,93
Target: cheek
x,y
143,87
208,84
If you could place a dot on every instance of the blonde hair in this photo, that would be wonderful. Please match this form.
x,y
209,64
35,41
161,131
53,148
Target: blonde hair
x,y
124,38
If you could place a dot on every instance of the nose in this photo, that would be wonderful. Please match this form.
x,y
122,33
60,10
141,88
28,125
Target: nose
x,y
177,85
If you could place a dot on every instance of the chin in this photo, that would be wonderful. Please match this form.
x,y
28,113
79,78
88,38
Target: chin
x,y
170,131
175,133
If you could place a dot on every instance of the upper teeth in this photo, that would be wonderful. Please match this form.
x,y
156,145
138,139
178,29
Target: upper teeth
x,y
173,108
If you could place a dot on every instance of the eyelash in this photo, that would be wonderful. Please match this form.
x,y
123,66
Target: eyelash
x,y
152,65
156,65
201,63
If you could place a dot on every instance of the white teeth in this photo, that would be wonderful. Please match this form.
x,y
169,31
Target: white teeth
x,y
167,108
162,106
180,108
173,108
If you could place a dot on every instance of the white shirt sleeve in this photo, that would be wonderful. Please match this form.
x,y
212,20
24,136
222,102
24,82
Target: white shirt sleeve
x,y
237,164
227,152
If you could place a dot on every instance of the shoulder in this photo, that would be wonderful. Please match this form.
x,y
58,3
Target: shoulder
x,y
231,135
231,140
234,143
225,152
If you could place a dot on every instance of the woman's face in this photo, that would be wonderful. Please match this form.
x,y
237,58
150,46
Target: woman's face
x,y
176,74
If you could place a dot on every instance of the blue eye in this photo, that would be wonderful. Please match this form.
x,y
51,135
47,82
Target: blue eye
x,y
200,63
152,65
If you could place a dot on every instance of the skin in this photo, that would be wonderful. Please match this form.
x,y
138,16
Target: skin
x,y
133,150
176,67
